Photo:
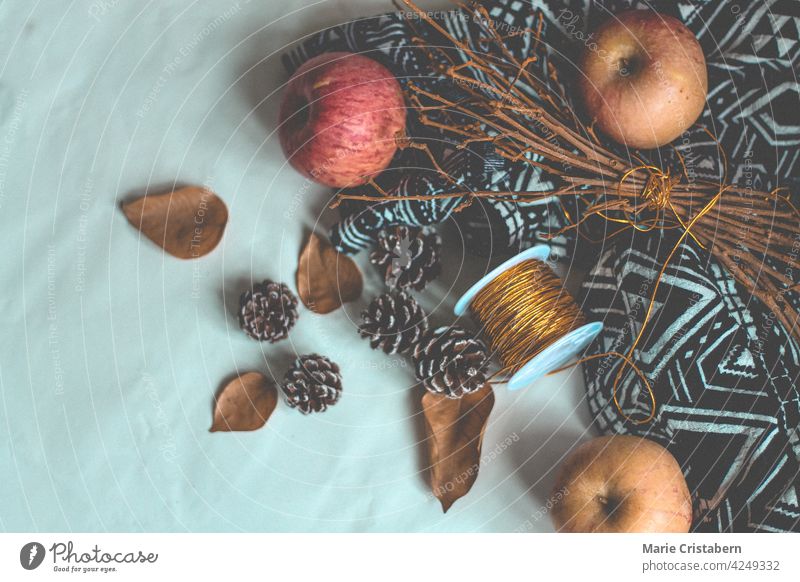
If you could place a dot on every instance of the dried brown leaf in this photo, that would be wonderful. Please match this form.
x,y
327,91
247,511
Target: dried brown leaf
x,y
326,279
245,403
187,223
454,430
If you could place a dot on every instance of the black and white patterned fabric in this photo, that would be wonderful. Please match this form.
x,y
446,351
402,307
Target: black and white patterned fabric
x,y
724,376
723,370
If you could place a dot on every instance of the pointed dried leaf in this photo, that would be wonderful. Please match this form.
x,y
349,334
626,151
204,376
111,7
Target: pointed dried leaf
x,y
326,279
187,223
245,403
454,430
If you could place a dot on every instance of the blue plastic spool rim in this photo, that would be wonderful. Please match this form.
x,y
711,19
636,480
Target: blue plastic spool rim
x,y
555,355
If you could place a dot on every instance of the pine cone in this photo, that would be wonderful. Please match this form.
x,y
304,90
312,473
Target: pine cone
x,y
312,384
408,257
451,361
393,322
268,312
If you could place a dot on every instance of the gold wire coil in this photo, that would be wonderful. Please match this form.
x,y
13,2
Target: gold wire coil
x,y
524,310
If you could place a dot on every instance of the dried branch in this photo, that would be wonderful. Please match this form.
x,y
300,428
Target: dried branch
x,y
525,115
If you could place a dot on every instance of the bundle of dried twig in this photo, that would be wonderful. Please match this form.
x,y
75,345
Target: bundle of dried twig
x,y
522,110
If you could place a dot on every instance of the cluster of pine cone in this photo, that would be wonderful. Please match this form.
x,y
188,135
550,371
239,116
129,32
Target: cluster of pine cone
x,y
266,313
448,360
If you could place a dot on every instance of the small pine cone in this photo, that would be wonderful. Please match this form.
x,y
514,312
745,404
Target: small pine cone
x,y
451,361
312,384
408,257
393,322
268,311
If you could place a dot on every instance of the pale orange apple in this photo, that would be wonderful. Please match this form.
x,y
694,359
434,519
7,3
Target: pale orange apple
x,y
621,483
643,78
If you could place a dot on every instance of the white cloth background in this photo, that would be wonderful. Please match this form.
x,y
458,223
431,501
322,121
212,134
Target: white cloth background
x,y
111,351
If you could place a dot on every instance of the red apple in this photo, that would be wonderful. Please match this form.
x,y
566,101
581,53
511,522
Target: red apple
x,y
644,78
621,483
340,119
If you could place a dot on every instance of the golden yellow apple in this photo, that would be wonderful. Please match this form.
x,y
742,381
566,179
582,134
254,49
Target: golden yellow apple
x,y
643,78
621,483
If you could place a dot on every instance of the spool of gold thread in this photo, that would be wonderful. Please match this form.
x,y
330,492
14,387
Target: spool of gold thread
x,y
523,311
528,318
533,324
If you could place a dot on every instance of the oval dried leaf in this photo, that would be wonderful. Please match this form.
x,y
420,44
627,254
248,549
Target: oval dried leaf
x,y
326,279
245,403
187,223
454,435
